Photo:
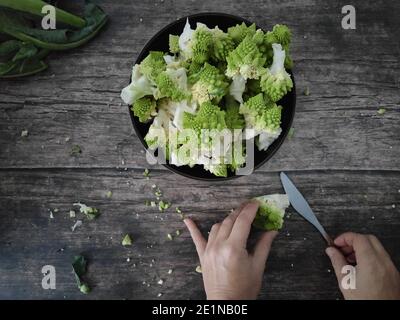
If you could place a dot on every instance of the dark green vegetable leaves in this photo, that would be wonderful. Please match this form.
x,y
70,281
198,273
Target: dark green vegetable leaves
x,y
24,54
79,265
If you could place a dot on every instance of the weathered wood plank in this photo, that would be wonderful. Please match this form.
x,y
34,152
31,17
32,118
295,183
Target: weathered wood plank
x,y
29,239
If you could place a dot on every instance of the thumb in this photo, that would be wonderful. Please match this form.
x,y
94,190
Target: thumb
x,y
262,248
338,261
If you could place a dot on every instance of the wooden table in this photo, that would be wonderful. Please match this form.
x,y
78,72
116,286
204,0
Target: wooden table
x,y
344,157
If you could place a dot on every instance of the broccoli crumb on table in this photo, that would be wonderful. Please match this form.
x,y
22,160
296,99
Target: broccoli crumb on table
x,y
344,157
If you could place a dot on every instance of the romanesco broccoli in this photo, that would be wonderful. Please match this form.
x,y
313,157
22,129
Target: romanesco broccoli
x,y
153,64
241,31
276,82
173,43
144,108
246,60
172,83
211,85
139,87
271,211
222,45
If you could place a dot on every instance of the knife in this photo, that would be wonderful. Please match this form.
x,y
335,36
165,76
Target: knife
x,y
300,204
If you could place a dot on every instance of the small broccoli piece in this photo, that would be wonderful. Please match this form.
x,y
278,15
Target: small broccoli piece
x,y
209,116
276,82
202,43
280,34
144,108
153,64
271,211
222,45
211,85
246,60
261,115
139,87
126,241
89,212
233,119
194,72
241,31
172,83
157,136
173,43
219,170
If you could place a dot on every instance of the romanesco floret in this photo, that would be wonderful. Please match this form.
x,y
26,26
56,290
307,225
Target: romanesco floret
x,y
153,64
172,83
211,85
173,43
194,72
241,31
261,115
144,108
222,45
139,87
219,170
209,116
280,34
233,119
246,60
271,211
276,82
202,43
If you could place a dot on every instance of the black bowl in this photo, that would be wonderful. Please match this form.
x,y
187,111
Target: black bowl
x,y
159,42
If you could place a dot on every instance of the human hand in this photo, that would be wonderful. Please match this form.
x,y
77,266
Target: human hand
x,y
229,270
376,275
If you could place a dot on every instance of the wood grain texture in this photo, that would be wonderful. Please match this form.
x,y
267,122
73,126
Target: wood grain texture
x,y
343,156
29,238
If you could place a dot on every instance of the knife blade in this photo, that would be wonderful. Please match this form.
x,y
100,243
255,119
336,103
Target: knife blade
x,y
300,204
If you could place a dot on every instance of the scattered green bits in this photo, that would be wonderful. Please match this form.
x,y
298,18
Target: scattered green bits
x,y
153,203
84,288
198,269
178,210
163,205
158,193
75,150
169,236
109,194
89,212
127,241
147,203
72,214
381,111
146,173
290,133
306,91
178,233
